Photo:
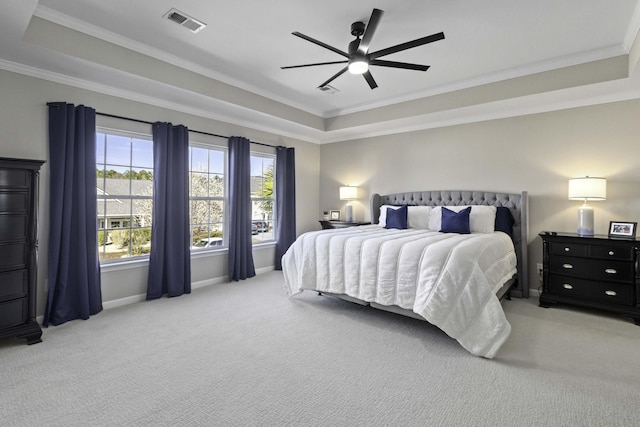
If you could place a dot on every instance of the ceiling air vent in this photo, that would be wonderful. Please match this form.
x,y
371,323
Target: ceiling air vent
x,y
328,89
185,20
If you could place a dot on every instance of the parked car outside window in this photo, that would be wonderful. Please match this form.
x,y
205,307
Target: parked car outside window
x,y
262,226
208,243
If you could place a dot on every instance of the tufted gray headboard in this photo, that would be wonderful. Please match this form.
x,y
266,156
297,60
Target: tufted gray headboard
x,y
517,204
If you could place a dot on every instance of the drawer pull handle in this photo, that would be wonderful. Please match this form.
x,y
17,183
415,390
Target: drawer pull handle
x,y
567,266
611,253
611,271
611,293
567,286
567,249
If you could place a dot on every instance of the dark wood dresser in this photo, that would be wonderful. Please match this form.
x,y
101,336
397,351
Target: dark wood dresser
x,y
18,248
597,272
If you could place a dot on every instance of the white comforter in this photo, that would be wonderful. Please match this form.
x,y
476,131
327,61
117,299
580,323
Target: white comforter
x,y
449,279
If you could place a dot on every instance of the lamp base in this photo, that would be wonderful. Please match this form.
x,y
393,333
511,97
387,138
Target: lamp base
x,y
585,220
348,213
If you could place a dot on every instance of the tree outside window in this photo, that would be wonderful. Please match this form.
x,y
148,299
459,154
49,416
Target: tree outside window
x,y
207,171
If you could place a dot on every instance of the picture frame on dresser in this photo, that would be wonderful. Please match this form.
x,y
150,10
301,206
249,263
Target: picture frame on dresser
x,y
622,230
335,215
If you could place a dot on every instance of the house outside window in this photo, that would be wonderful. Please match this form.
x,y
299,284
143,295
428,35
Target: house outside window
x,y
124,172
262,197
207,196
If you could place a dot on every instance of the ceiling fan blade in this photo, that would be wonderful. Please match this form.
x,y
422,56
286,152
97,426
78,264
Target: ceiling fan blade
x,y
407,45
376,15
369,78
336,75
394,64
313,65
319,43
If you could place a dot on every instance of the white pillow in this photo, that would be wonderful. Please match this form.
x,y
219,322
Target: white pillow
x,y
418,217
382,220
482,219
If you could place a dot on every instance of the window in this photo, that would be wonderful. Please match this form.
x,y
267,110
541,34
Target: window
x,y
207,189
262,197
124,171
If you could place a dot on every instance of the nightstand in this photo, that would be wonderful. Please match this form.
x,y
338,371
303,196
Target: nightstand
x,y
340,224
595,271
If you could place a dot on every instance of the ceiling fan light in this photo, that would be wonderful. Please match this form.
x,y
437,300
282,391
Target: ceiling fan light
x,y
358,66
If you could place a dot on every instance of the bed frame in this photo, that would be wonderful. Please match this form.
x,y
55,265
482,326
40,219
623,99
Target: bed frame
x,y
517,203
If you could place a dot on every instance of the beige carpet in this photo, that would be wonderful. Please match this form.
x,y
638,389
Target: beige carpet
x,y
246,354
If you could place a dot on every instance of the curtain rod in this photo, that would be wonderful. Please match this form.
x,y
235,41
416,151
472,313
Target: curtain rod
x,y
151,123
190,130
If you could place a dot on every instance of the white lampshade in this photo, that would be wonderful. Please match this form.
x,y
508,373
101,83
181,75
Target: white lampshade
x,y
585,189
348,193
588,188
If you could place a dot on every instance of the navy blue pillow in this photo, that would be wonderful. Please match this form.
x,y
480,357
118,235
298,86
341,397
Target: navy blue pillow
x,y
455,222
504,220
397,218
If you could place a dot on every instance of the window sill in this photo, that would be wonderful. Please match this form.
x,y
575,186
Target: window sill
x,y
144,261
125,265
209,253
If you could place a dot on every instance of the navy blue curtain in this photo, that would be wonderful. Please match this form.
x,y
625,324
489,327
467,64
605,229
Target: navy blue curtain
x,y
285,202
170,257
240,246
74,266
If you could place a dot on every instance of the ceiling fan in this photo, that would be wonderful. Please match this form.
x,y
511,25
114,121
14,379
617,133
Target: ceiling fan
x,y
359,59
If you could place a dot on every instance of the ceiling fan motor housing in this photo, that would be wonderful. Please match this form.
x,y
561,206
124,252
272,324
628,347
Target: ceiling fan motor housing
x,y
357,29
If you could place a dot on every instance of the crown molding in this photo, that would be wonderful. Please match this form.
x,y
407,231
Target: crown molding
x,y
216,110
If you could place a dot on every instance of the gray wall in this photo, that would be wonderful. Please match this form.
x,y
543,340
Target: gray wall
x,y
537,153
23,121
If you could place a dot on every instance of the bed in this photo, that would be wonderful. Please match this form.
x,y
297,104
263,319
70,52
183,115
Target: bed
x,y
403,263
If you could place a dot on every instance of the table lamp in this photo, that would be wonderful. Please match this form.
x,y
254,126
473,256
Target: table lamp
x,y
587,188
348,193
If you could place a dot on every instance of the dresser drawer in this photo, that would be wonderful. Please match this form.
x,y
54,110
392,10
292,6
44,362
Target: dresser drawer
x,y
594,269
13,226
13,313
611,293
13,284
564,248
591,251
14,201
13,256
14,178
611,252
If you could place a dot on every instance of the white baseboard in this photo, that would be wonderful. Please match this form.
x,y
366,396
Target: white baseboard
x,y
264,270
107,305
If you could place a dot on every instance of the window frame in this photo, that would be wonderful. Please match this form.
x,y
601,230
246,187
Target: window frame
x,y
132,261
272,199
102,197
224,199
